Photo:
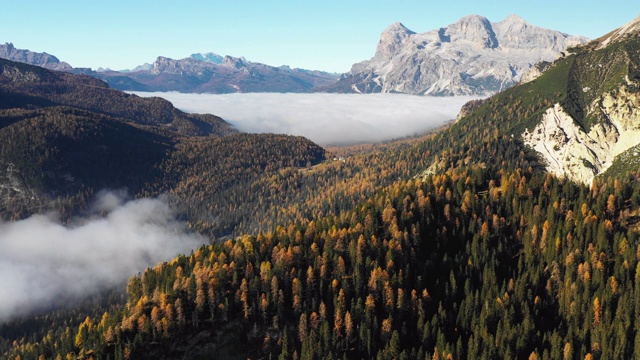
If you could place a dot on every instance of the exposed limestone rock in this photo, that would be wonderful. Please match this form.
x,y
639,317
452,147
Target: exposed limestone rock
x,y
579,156
534,72
470,57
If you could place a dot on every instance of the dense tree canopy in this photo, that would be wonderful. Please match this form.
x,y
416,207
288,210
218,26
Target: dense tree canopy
x,y
467,264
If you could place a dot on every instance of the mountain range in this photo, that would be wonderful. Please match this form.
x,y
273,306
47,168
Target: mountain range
x,y
199,73
470,57
219,75
65,136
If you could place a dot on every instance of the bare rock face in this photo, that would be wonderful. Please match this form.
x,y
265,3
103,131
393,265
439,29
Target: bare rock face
x,y
473,29
471,57
534,72
571,152
392,39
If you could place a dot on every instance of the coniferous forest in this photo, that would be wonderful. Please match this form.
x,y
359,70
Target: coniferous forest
x,y
468,264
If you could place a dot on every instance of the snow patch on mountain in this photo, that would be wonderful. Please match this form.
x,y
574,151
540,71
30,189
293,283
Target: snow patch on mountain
x,y
208,57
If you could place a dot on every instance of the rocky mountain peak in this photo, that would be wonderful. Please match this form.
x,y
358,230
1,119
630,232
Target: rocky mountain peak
x,y
472,56
392,39
143,67
160,64
167,65
473,28
513,19
233,62
397,28
513,25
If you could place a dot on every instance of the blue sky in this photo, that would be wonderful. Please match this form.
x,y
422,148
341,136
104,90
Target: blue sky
x,y
327,35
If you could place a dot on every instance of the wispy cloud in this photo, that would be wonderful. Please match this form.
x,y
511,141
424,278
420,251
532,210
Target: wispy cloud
x,y
327,119
44,263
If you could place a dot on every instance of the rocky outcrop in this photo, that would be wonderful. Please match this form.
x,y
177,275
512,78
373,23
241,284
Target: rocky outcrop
x,y
569,151
14,191
470,57
534,72
469,107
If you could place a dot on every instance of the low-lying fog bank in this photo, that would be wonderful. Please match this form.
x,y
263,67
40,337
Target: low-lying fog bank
x,y
327,119
45,264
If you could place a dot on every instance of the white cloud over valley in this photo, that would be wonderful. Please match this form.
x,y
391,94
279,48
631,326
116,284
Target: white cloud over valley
x,y
327,119
44,263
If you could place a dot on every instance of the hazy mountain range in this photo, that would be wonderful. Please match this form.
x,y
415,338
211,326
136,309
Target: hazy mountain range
x,y
209,73
9,52
199,73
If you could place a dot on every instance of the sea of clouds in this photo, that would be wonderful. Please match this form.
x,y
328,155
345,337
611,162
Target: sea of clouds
x,y
326,119
45,264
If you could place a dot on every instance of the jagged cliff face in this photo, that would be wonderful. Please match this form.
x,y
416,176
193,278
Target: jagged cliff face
x,y
471,57
571,152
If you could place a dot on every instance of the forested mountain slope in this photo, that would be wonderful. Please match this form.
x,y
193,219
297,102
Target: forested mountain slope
x,y
65,137
471,263
61,153
35,87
